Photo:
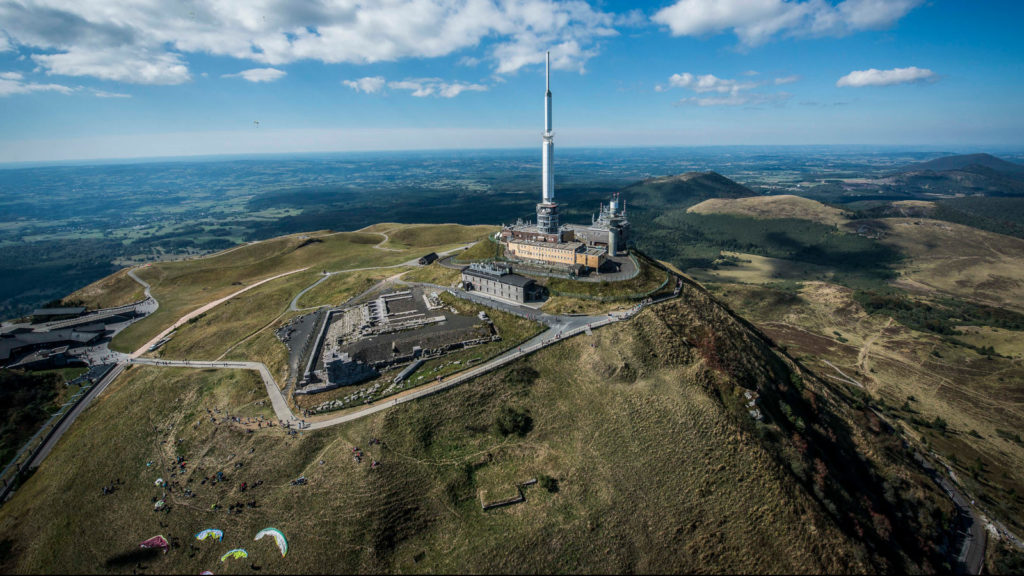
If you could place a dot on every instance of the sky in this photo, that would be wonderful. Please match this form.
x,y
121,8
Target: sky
x,y
92,79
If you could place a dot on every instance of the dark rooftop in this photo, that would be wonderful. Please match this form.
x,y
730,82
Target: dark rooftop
x,y
71,311
508,278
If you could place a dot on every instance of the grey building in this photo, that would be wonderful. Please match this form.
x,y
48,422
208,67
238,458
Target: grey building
x,y
499,281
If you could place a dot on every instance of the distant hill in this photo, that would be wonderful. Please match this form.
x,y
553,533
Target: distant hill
x,y
682,190
971,174
967,162
783,206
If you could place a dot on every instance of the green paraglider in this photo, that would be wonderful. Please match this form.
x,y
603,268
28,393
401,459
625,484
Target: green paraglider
x,y
236,554
282,542
210,533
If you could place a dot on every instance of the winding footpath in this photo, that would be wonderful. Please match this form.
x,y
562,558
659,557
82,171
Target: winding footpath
x,y
145,347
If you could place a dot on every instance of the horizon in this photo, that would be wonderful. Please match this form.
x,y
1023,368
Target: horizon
x,y
145,80
938,149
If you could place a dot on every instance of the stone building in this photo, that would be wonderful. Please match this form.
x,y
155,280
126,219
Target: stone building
x,y
499,281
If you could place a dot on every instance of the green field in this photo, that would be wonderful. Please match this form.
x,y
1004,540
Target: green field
x,y
185,285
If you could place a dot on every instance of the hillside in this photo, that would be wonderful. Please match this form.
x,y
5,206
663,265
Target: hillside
x,y
957,175
967,162
682,190
664,227
648,459
782,206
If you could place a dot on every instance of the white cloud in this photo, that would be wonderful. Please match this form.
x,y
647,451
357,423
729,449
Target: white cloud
x,y
422,87
786,80
259,74
120,64
11,83
105,94
708,83
873,77
723,91
418,87
757,21
749,99
368,84
146,41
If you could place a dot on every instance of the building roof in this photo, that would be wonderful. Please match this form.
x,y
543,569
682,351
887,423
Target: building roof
x,y
507,278
567,246
70,311
12,342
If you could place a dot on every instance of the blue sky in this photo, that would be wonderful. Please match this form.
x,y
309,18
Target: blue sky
x,y
138,78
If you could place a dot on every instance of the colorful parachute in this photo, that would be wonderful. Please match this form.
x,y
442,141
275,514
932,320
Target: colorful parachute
x,y
282,543
210,533
159,505
156,542
159,481
236,554
206,573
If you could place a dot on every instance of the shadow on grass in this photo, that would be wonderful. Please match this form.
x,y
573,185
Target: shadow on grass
x,y
132,557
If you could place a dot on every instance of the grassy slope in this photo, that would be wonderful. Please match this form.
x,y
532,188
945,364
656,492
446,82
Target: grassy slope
x,y
959,260
341,287
902,368
754,269
653,476
219,329
183,286
433,274
114,290
784,206
658,471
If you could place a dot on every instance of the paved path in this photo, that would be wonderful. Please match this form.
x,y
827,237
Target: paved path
x,y
145,347
559,328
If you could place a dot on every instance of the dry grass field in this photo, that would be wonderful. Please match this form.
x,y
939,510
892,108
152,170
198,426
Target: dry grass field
x,y
653,475
185,285
959,260
783,206
753,269
117,289
913,377
433,274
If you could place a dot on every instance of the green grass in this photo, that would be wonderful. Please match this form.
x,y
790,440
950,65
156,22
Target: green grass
x,y
217,330
653,476
117,289
185,285
433,274
649,280
484,250
340,287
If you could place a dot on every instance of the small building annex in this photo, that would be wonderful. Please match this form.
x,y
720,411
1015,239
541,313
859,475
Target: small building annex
x,y
501,282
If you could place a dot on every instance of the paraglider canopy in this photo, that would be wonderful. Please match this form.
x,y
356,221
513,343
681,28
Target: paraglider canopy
x,y
282,543
210,532
236,554
155,542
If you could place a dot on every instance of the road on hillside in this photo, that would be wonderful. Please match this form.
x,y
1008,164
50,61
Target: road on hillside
x,y
75,412
559,328
145,347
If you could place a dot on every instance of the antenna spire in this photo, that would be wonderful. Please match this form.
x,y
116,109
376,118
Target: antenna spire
x,y
547,69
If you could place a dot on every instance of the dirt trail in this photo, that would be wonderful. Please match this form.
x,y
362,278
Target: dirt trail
x,y
865,350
